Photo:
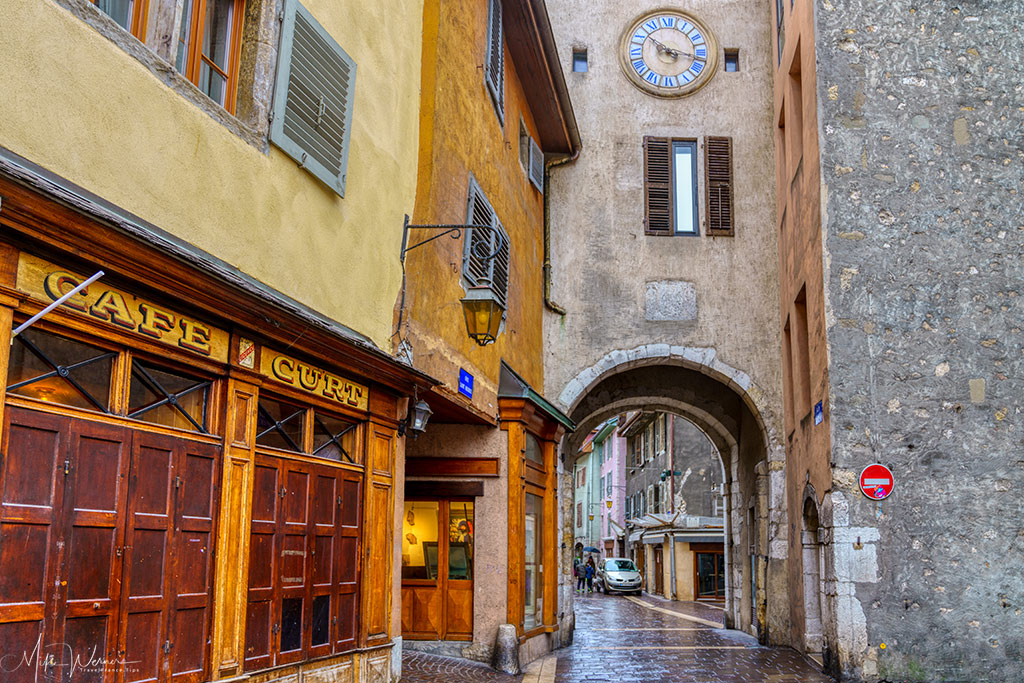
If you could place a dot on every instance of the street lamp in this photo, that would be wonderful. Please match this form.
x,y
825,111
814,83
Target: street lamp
x,y
483,314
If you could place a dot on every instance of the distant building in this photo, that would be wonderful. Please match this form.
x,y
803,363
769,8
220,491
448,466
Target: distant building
x,y
674,507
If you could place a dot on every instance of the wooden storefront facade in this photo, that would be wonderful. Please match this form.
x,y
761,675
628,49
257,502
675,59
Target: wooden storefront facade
x,y
197,481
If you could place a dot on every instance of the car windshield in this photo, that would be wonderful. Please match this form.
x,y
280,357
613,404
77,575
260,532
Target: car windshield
x,y
619,566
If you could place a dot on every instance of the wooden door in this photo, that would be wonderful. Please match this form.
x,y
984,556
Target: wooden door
x,y
458,570
61,525
260,622
120,523
659,574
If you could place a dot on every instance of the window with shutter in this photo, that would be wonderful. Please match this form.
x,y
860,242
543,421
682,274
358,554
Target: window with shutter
x,y
536,165
658,186
314,93
495,72
478,269
670,186
718,171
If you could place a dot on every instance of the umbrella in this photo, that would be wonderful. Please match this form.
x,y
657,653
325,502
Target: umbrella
x,y
591,549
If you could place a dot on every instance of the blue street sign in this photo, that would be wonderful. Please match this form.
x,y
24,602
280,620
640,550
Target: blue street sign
x,y
819,413
465,383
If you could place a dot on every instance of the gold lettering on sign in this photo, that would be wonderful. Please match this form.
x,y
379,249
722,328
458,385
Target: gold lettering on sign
x,y
314,380
47,282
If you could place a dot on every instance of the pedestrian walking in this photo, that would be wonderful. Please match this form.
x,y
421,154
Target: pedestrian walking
x,y
581,575
590,570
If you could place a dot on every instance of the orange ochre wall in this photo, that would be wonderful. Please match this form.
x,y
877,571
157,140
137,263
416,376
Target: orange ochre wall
x,y
460,134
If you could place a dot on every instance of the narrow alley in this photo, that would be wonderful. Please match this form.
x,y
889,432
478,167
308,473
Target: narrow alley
x,y
623,639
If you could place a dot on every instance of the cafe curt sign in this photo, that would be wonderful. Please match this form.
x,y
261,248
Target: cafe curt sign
x,y
314,380
47,282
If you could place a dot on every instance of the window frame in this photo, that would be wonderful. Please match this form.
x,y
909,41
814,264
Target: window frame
x,y
660,185
676,144
193,47
139,15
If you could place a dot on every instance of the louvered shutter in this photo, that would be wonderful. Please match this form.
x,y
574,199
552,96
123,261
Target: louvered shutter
x,y
496,57
536,165
718,172
314,92
478,271
658,186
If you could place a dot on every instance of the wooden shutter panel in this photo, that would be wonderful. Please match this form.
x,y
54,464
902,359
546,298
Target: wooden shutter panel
x,y
496,56
718,172
314,93
536,165
658,186
480,243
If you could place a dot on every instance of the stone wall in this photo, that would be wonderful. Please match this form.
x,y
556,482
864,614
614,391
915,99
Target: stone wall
x,y
919,107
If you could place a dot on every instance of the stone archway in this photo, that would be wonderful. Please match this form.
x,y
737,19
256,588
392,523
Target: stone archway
x,y
730,409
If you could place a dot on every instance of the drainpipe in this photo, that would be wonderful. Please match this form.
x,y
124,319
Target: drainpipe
x,y
551,305
670,447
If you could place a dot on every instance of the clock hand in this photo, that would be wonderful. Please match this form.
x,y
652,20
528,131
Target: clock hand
x,y
664,48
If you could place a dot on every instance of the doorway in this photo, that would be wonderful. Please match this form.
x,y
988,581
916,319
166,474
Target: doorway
x,y
437,569
709,573
659,573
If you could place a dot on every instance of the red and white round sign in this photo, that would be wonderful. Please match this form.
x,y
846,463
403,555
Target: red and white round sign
x,y
876,481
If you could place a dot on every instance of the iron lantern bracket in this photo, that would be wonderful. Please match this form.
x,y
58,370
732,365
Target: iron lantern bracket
x,y
455,230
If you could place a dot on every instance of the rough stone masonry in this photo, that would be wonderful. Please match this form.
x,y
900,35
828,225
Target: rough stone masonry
x,y
920,123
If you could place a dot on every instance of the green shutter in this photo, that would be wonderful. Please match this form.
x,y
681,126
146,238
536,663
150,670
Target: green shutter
x,y
495,75
313,98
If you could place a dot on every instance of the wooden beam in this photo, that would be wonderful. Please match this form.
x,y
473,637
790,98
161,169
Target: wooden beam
x,y
451,467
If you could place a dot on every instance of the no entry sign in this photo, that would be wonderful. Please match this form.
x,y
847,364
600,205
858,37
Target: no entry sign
x,y
876,481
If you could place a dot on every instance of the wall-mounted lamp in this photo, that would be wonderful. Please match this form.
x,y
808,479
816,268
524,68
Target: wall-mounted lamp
x,y
608,503
416,421
481,306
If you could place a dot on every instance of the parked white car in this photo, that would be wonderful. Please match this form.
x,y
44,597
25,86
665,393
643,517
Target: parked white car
x,y
618,575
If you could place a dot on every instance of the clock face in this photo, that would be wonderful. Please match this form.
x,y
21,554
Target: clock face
x,y
668,53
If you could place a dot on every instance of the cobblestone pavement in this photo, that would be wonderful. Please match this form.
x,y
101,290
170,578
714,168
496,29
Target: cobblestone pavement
x,y
620,640
623,639
419,667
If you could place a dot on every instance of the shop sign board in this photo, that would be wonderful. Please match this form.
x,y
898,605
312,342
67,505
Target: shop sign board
x,y
108,305
314,380
876,481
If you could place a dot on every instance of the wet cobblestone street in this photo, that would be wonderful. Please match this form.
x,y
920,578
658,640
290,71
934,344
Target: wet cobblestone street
x,y
638,640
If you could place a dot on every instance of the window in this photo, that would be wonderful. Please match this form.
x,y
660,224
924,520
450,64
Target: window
x,y
802,361
670,186
732,59
55,369
209,41
495,71
533,534
479,269
609,485
312,116
167,398
628,501
303,429
533,450
524,146
129,14
579,514
579,60
602,486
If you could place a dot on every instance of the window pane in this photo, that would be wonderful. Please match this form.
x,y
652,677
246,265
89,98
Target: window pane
x,y
533,532
291,624
334,438
212,83
280,425
36,364
217,31
683,160
533,450
167,398
321,619
419,540
118,10
579,61
460,540
184,36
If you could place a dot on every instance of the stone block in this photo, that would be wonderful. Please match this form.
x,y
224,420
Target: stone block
x,y
670,300
506,650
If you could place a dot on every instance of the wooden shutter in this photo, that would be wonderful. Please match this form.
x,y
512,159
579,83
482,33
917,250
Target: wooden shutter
x,y
658,215
314,93
479,243
496,57
718,177
536,165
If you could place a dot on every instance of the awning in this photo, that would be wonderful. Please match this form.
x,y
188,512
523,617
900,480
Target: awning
x,y
654,539
698,538
635,536
511,385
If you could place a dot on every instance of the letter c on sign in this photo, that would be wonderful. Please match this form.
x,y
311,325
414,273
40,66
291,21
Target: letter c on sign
x,y
279,367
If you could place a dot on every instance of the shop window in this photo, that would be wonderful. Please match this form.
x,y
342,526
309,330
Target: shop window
x,y
56,369
167,398
533,450
533,615
420,539
333,438
280,425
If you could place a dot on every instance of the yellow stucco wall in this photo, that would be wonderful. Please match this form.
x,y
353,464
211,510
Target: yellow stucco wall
x,y
78,105
461,134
